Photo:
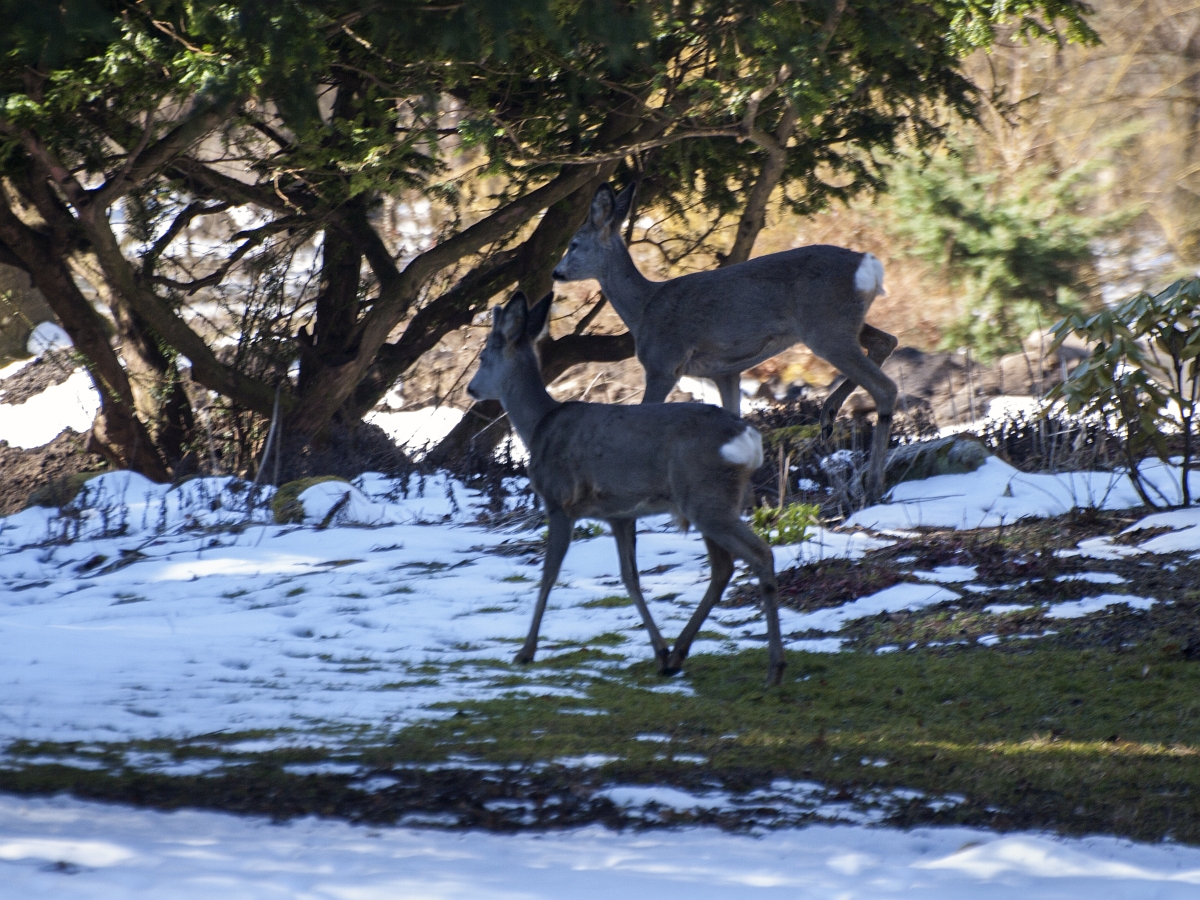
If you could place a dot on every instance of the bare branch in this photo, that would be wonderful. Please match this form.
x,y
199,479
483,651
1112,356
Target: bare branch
x,y
178,224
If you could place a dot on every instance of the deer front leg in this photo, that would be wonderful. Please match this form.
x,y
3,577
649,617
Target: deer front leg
x,y
721,564
625,532
730,387
658,385
557,542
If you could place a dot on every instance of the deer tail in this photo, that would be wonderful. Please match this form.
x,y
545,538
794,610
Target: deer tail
x,y
868,279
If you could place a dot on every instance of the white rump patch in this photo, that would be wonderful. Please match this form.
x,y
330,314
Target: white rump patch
x,y
869,277
744,450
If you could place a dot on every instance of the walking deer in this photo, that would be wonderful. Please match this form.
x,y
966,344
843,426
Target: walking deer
x,y
719,323
618,463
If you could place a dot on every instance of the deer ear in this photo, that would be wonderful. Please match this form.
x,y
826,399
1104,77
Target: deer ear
x,y
539,313
603,203
622,204
512,318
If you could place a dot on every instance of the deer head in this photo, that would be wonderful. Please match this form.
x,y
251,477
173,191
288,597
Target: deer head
x,y
515,326
597,236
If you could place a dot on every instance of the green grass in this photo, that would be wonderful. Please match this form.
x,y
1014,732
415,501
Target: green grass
x,y
1076,740
607,603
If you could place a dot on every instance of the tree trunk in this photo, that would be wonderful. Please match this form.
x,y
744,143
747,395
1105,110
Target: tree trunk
x,y
159,398
754,216
118,434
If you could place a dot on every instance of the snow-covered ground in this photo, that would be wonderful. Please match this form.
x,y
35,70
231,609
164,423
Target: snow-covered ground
x,y
62,848
143,611
140,613
135,614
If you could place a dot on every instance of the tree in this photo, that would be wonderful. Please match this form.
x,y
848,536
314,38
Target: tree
x,y
1019,248
172,156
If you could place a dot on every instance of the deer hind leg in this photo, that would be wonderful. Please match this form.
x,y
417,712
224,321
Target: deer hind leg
x,y
721,564
557,543
865,371
739,540
879,346
625,531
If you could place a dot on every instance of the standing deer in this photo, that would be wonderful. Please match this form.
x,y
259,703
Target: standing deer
x,y
717,324
618,463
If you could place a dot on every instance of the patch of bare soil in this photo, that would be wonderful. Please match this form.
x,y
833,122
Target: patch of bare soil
x,y
1020,572
24,471
46,371
831,583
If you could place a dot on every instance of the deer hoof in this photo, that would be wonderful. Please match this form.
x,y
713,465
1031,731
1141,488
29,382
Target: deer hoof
x,y
524,657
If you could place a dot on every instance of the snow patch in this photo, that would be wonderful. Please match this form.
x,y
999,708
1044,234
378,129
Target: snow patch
x,y
893,599
41,418
1076,608
48,336
996,494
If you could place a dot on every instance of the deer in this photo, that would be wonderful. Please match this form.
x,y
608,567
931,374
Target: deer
x,y
618,463
718,323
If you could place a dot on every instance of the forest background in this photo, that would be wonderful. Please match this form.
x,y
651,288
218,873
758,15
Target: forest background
x,y
241,212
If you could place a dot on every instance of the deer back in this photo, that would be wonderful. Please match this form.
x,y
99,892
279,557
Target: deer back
x,y
734,317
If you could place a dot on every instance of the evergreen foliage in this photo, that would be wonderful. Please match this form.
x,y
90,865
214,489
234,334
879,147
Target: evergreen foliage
x,y
1020,249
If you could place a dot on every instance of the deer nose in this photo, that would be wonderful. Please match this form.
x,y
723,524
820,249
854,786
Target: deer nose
x,y
558,275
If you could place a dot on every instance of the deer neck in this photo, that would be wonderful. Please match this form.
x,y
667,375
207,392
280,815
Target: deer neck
x,y
625,287
525,397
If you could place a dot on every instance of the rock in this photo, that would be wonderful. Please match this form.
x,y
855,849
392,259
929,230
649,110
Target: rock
x,y
953,455
286,505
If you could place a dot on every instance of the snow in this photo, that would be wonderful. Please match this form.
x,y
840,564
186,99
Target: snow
x,y
69,849
997,494
341,503
1186,534
146,611
13,368
1076,608
897,597
47,336
40,419
416,429
823,543
947,574
141,612
1093,577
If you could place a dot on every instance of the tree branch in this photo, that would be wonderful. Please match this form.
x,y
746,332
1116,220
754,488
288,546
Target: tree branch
x,y
206,368
142,165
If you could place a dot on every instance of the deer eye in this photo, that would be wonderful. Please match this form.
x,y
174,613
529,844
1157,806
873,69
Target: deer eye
x,y
574,245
